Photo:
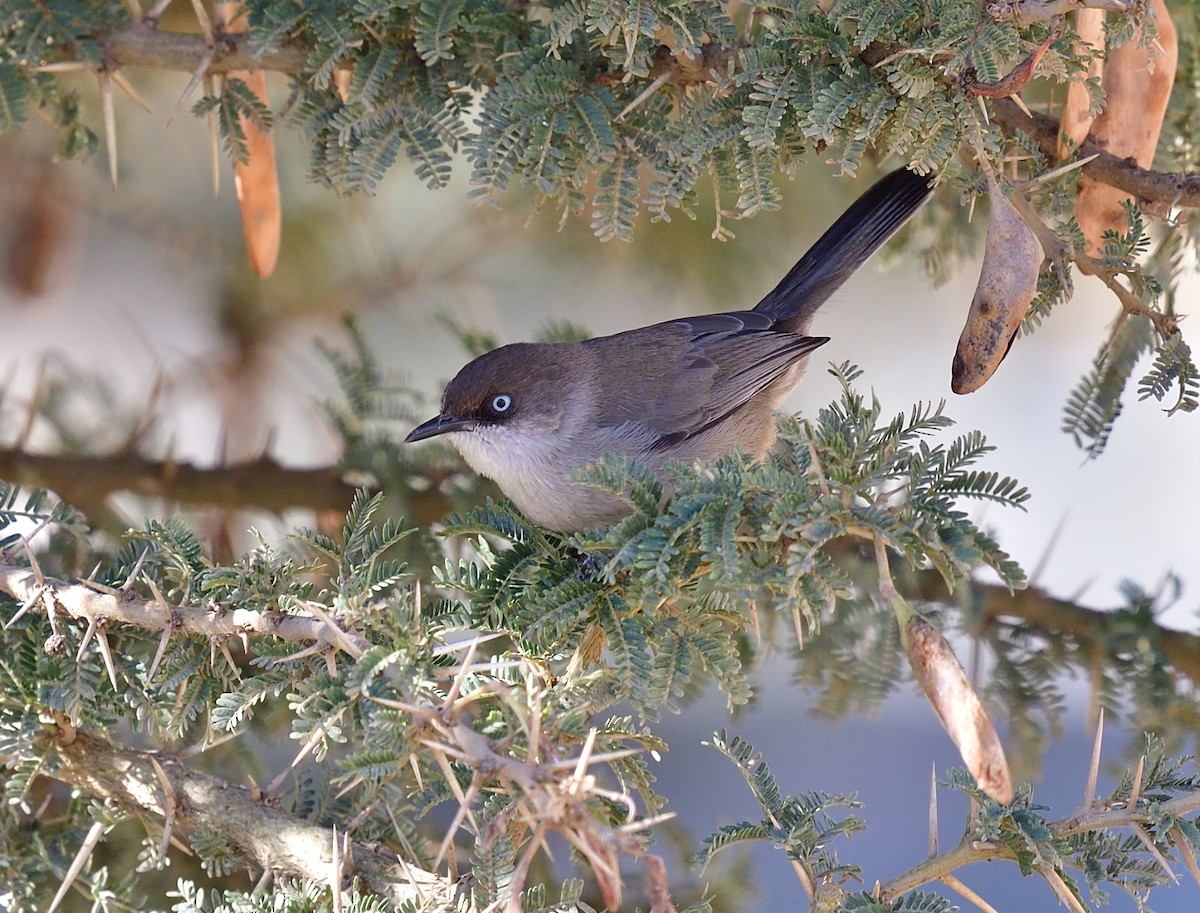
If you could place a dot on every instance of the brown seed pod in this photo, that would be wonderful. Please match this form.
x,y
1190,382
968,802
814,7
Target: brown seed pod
x,y
1076,112
43,239
1137,84
940,675
256,179
1007,284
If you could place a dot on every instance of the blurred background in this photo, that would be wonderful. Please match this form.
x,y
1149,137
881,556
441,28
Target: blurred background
x,y
133,319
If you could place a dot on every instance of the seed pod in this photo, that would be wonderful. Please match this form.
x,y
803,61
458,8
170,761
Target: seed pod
x,y
256,178
44,232
1007,284
1076,112
1137,84
940,675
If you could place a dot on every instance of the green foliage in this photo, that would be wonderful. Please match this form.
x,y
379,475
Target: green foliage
x,y
288,897
800,825
1094,404
593,104
1173,366
235,105
27,511
615,110
1104,858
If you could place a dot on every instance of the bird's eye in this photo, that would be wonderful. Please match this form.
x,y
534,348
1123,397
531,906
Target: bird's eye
x,y
501,403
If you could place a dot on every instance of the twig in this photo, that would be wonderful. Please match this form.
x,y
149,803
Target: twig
x,y
646,93
1135,790
1015,81
125,86
214,134
1124,174
1185,850
170,804
155,12
1164,324
1027,11
80,601
1148,842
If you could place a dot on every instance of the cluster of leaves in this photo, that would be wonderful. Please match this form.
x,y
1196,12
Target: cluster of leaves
x,y
25,512
1096,402
802,826
562,90
369,761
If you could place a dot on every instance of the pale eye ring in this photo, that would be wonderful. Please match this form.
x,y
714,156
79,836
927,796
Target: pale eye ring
x,y
501,403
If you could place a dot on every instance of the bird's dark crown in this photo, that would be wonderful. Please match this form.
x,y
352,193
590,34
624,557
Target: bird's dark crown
x,y
511,370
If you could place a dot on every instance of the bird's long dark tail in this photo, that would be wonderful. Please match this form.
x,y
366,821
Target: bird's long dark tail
x,y
859,232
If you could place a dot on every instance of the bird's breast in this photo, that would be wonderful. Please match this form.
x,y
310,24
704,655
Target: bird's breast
x,y
538,473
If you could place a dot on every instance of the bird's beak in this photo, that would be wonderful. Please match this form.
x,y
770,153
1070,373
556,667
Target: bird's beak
x,y
440,424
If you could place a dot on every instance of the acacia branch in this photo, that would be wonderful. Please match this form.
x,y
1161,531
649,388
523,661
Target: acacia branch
x,y
1034,607
551,793
272,839
90,605
146,46
969,851
1171,187
1055,617
1043,612
86,481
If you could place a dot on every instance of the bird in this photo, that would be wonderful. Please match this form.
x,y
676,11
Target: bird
x,y
530,416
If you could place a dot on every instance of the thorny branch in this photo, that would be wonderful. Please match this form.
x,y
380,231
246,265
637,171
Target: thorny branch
x,y
1085,821
1027,11
143,45
274,840
1171,188
90,605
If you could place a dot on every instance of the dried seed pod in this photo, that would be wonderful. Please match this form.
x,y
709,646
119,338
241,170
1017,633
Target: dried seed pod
x,y
1076,112
940,675
1137,84
256,178
1007,284
44,231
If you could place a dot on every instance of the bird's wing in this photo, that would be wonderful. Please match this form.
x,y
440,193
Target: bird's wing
x,y
692,373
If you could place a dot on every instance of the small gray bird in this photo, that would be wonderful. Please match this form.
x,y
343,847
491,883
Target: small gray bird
x,y
529,415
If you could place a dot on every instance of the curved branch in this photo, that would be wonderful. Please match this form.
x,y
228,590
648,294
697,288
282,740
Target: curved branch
x,y
1035,607
1058,616
1174,188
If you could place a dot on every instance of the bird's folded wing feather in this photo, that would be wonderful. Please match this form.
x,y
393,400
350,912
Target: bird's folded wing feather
x,y
711,366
